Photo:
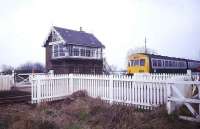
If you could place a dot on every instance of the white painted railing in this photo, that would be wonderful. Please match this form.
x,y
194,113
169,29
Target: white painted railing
x,y
143,90
6,82
186,93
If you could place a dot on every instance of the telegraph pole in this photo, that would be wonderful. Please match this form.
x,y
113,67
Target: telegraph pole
x,y
145,44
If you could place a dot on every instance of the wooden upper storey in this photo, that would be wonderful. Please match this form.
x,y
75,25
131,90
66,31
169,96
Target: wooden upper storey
x,y
65,43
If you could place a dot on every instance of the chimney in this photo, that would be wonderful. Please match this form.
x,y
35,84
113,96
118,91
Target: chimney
x,y
81,28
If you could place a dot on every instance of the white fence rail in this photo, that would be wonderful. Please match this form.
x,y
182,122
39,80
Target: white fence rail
x,y
185,93
6,82
141,90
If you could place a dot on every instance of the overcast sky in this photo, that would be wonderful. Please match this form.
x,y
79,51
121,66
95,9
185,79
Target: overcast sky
x,y
172,27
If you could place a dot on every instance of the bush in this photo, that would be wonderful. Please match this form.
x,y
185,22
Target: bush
x,y
74,126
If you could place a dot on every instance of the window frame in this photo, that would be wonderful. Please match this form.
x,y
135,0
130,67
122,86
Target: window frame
x,y
58,50
144,61
156,61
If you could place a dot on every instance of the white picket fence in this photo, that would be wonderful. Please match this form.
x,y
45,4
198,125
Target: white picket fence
x,y
144,91
141,90
6,82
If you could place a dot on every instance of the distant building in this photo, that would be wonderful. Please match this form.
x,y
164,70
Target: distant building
x,y
70,51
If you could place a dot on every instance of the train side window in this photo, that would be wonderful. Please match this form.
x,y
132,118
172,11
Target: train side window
x,y
166,63
170,63
154,62
190,64
181,64
159,63
185,64
142,62
174,64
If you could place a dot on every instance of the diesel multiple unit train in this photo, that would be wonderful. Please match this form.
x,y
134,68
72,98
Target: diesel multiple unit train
x,y
150,63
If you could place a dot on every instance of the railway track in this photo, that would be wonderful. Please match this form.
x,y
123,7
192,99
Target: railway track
x,y
14,97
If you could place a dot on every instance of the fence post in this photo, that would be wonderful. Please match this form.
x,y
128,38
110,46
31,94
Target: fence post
x,y
170,104
198,87
70,83
38,90
111,88
13,78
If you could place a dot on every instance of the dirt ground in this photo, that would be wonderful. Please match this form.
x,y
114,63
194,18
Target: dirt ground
x,y
79,111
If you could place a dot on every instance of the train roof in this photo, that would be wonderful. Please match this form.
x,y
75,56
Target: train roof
x,y
167,57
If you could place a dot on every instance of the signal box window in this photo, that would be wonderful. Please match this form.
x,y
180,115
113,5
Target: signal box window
x,y
82,52
88,53
76,52
142,62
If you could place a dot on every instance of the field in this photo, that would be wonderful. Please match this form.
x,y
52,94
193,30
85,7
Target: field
x,y
79,111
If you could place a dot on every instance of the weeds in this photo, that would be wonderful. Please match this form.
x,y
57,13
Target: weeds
x,y
3,124
82,115
79,111
74,126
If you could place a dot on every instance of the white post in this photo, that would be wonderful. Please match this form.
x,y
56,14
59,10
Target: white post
x,y
13,78
189,72
111,88
32,90
170,106
70,83
199,97
51,72
38,90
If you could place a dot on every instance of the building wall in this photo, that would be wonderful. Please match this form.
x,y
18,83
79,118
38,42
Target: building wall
x,y
48,53
79,66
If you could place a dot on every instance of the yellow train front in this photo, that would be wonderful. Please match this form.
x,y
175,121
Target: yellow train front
x,y
150,63
138,63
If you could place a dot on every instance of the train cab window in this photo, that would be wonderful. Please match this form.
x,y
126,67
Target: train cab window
x,y
142,62
129,63
136,63
132,63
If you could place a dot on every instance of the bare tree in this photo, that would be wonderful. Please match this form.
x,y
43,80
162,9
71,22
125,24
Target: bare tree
x,y
30,67
113,67
141,50
6,69
199,55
